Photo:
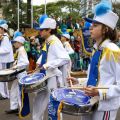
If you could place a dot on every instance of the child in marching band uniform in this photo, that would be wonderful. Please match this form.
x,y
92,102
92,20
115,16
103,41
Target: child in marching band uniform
x,y
56,56
65,40
105,63
6,57
21,63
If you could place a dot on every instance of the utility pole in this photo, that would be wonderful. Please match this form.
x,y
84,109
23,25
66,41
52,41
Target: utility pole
x,y
45,6
29,12
18,18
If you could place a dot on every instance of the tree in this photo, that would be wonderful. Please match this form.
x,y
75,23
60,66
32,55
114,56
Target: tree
x,y
71,8
29,12
116,7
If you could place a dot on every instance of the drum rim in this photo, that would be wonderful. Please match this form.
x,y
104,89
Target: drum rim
x,y
7,70
33,81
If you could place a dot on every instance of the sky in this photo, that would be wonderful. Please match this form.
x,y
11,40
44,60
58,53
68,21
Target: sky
x,y
39,2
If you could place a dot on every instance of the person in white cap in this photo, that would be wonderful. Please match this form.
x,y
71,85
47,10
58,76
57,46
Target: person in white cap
x,y
65,38
56,57
6,57
105,63
20,63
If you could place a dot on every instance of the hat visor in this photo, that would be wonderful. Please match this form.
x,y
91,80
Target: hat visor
x,y
39,28
91,20
13,41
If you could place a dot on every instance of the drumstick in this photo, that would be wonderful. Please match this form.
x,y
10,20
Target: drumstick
x,y
71,82
82,88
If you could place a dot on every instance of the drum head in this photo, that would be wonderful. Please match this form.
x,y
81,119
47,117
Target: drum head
x,y
31,79
73,97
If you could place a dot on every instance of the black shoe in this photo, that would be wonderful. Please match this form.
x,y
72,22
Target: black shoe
x,y
2,98
12,111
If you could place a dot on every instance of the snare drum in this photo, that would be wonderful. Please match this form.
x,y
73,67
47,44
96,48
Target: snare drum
x,y
33,82
8,75
71,102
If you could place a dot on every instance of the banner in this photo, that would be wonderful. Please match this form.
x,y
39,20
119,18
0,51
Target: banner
x,y
86,40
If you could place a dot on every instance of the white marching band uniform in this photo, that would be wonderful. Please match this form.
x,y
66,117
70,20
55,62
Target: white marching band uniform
x,y
56,57
6,56
22,63
109,77
109,98
68,47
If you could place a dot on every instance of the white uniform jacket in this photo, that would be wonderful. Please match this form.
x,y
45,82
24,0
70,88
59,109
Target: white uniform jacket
x,y
109,76
57,55
22,59
68,47
6,50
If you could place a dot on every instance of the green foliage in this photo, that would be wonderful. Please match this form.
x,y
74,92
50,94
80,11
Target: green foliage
x,y
116,7
56,9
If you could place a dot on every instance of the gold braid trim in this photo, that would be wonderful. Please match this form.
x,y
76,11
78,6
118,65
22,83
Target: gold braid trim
x,y
16,55
60,109
111,53
104,92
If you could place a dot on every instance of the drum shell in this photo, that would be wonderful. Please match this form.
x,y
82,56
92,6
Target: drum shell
x,y
77,110
7,78
11,77
35,87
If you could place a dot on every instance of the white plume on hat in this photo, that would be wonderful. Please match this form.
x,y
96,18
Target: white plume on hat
x,y
4,26
19,39
103,14
48,23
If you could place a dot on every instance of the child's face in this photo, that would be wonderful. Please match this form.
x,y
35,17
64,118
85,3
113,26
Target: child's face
x,y
1,30
44,33
96,31
17,45
63,39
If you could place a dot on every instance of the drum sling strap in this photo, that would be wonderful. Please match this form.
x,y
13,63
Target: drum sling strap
x,y
93,78
44,53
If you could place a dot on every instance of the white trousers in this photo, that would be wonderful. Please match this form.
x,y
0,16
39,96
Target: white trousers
x,y
15,97
107,115
4,85
41,99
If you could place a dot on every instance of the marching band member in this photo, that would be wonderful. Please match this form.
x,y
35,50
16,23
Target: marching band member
x,y
65,41
105,63
56,56
20,63
6,57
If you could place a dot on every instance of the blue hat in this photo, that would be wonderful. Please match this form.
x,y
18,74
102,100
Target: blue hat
x,y
3,21
103,14
42,18
16,34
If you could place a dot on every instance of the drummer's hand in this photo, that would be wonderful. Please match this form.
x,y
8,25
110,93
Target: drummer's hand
x,y
14,67
73,80
91,91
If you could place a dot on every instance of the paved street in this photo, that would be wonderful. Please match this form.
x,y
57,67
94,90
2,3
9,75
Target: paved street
x,y
4,105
